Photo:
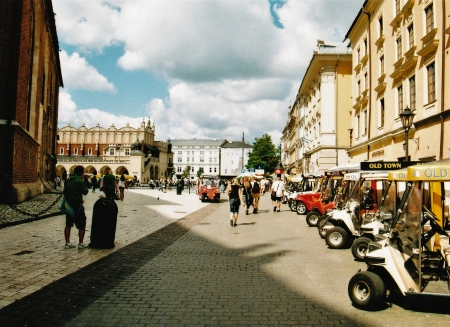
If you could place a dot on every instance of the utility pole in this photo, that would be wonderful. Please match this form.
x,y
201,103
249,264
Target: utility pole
x,y
242,162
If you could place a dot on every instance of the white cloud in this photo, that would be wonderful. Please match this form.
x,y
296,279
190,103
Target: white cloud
x,y
68,113
229,68
78,74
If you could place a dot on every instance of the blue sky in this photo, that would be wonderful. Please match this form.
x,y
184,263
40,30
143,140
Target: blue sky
x,y
198,68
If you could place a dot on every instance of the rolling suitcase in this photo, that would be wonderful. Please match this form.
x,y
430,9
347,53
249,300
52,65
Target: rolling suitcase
x,y
104,221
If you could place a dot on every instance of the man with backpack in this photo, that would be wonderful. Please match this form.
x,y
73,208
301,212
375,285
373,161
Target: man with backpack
x,y
256,192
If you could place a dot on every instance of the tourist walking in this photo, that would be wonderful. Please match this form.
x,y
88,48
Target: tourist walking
x,y
235,195
247,194
109,185
74,189
277,193
94,183
122,185
256,192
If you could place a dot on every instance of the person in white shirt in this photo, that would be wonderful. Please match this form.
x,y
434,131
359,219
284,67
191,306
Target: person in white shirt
x,y
277,193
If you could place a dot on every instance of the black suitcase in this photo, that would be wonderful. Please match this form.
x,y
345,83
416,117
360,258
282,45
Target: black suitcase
x,y
104,221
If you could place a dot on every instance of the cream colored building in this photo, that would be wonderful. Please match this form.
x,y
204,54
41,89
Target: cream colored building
x,y
400,59
321,111
289,149
127,150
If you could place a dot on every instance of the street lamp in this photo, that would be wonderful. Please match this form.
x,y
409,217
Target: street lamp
x,y
407,117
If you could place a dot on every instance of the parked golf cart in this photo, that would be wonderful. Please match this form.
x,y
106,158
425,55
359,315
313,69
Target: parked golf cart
x,y
343,225
414,257
209,191
331,191
310,191
393,191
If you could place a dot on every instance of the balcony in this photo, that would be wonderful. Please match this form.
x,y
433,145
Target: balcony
x,y
364,59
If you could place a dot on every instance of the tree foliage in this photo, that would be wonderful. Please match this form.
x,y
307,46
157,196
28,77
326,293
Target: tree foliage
x,y
264,154
200,172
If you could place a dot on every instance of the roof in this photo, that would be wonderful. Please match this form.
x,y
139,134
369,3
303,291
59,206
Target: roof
x,y
236,144
197,142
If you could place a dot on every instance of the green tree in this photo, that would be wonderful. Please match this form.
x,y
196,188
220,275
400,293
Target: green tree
x,y
185,172
264,154
200,172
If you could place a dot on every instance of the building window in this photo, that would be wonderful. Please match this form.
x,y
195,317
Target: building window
x,y
412,93
358,127
225,170
179,159
192,159
429,18
399,48
90,152
202,152
359,54
365,121
210,169
202,159
61,150
75,151
127,152
215,159
400,99
365,46
380,25
192,170
180,152
359,88
366,81
178,169
188,159
188,153
210,160
381,65
431,83
215,169
111,152
411,35
382,113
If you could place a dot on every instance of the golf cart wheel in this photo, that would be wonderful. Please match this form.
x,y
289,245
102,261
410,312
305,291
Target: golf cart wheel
x,y
336,237
360,247
301,208
322,231
312,218
293,206
366,290
319,220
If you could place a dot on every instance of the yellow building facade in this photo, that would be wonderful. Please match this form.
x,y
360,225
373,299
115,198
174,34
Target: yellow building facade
x,y
400,59
320,112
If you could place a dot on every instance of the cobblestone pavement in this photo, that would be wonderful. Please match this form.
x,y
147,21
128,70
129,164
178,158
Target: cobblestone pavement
x,y
33,254
42,206
270,270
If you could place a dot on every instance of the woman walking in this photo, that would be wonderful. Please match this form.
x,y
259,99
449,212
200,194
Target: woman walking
x,y
235,193
122,185
247,194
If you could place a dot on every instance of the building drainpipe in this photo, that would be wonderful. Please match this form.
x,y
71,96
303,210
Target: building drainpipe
x,y
441,146
336,108
370,80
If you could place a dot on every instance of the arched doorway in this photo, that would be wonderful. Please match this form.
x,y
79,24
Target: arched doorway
x,y
122,170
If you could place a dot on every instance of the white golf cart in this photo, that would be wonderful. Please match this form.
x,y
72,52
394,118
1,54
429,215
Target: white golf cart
x,y
414,257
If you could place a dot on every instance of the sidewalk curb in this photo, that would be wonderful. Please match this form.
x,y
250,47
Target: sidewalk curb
x,y
29,220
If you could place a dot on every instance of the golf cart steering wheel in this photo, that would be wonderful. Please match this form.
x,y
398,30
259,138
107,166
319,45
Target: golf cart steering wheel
x,y
435,227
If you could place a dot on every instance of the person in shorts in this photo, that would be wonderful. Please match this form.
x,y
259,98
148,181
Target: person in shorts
x,y
256,192
277,193
74,189
235,194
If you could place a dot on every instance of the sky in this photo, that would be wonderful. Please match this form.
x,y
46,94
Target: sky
x,y
196,68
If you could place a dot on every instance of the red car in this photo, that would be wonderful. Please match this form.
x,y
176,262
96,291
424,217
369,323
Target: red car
x,y
209,191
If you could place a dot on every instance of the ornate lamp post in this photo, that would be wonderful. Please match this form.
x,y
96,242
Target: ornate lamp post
x,y
407,117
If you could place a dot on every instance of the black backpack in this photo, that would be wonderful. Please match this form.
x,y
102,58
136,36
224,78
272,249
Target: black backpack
x,y
255,187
